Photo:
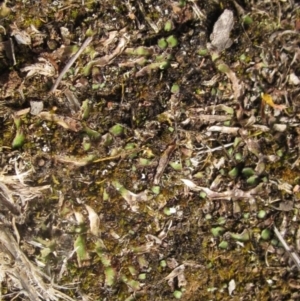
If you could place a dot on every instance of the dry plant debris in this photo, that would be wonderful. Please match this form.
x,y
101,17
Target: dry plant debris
x,y
149,150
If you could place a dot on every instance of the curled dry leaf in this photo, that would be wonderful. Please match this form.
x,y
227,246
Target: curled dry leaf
x,y
94,220
79,217
64,121
21,36
176,272
226,195
107,59
237,85
163,162
44,67
131,198
76,161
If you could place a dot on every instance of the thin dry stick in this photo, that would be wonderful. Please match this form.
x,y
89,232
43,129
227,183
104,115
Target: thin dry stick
x,y
293,254
71,62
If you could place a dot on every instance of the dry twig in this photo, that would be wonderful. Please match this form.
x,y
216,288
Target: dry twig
x,y
71,62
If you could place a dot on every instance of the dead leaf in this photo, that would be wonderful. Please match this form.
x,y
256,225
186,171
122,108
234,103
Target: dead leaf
x,y
94,220
131,198
233,194
231,286
44,67
163,162
76,161
64,121
267,99
107,59
21,36
176,272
